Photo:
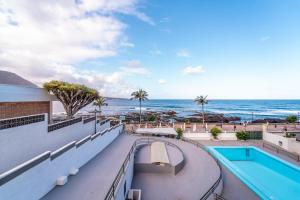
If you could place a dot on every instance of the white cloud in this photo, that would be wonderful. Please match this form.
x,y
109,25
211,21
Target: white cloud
x,y
265,38
193,70
183,53
162,81
44,40
111,6
134,67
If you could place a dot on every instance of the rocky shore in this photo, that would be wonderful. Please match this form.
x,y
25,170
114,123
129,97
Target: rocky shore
x,y
172,116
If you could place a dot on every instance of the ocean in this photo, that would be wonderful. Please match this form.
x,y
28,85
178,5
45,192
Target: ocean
x,y
246,109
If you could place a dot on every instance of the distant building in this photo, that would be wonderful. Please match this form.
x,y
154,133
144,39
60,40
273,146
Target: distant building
x,y
19,97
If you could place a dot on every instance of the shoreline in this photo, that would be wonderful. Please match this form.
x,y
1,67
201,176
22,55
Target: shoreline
x,y
172,116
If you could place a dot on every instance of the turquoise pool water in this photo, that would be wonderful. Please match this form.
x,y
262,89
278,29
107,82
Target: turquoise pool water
x,y
268,176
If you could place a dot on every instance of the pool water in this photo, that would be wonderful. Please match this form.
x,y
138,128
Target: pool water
x,y
268,176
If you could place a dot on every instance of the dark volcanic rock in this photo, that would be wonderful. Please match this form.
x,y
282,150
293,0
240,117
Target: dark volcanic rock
x,y
270,120
216,118
166,116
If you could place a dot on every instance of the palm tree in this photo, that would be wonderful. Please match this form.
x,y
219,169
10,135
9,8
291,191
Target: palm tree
x,y
140,95
201,100
100,101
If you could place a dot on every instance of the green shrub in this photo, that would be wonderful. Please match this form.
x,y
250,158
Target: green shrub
x,y
242,135
290,135
179,132
215,132
291,119
151,118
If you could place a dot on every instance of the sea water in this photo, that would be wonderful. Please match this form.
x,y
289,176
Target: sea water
x,y
246,109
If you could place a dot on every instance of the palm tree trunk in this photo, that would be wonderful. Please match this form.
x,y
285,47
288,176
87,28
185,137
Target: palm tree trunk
x,y
140,111
100,111
203,114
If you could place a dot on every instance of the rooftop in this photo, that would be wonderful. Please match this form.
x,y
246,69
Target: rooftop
x,y
10,78
93,181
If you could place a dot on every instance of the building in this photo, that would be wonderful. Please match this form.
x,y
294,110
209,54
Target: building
x,y
20,97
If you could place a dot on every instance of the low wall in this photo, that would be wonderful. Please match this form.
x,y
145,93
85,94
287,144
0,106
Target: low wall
x,y
289,144
26,140
276,139
152,168
40,173
227,136
234,188
125,184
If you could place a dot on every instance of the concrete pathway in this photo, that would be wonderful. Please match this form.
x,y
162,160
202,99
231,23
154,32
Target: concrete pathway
x,y
95,178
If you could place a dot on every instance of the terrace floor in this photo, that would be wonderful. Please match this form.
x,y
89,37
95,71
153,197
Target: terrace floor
x,y
95,178
192,182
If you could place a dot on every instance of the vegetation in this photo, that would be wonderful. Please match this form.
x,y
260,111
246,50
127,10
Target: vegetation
x,y
140,95
201,100
215,131
290,135
151,118
291,119
72,96
99,102
179,132
242,135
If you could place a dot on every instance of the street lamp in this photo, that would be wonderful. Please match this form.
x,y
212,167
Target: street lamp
x,y
95,113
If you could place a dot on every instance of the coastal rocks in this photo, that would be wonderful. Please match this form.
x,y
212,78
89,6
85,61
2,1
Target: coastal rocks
x,y
270,120
214,118
170,116
151,116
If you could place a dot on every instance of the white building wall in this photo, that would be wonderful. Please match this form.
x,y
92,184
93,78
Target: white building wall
x,y
22,143
294,146
37,181
276,139
289,144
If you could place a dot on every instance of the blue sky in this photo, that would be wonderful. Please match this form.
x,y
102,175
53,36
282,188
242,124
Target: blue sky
x,y
229,49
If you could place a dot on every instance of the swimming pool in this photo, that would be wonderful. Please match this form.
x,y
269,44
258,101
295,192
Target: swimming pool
x,y
268,176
